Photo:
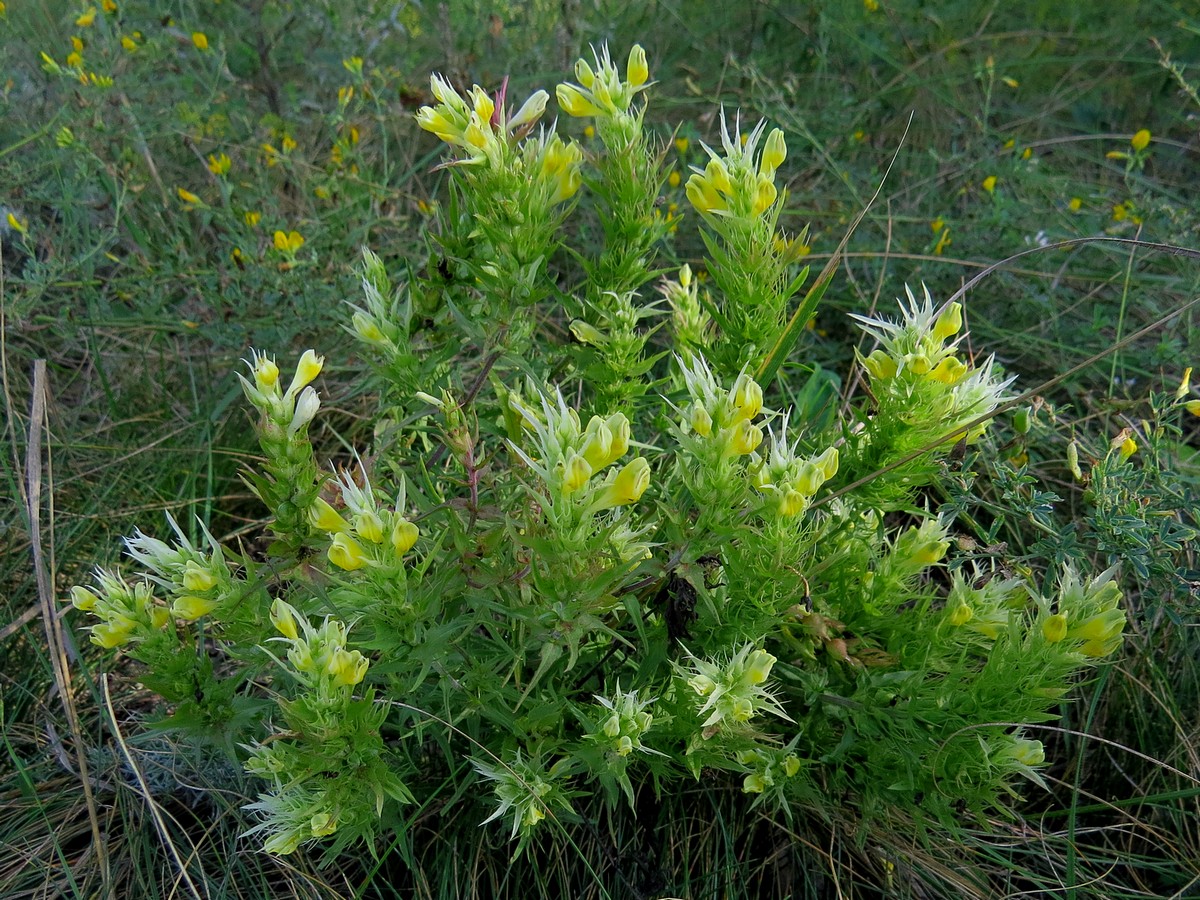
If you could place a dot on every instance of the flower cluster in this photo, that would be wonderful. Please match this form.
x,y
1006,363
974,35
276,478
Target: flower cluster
x,y
768,768
729,695
318,655
691,323
623,722
372,535
289,484
787,479
197,581
569,455
126,612
602,93
740,184
486,136
526,791
1089,616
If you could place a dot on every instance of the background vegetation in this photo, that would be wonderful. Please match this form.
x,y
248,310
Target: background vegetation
x,y
141,267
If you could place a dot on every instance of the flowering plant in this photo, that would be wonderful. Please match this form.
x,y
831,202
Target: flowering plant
x,y
585,565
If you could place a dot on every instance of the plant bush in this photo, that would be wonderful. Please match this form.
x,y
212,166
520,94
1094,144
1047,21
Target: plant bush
x,y
610,536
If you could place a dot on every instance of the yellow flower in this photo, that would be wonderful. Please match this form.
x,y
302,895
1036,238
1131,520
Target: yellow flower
x,y
949,322
188,197
701,421
109,6
77,43
758,667
1140,141
744,438
308,368
791,504
87,18
943,242
576,472
219,164
189,607
629,485
674,178
288,242
1128,448
83,599
196,578
113,633
746,398
369,526
325,518
681,145
404,536
880,366
961,615
774,153
573,103
1075,205
637,72
346,553
283,617
128,43
288,143
16,224
74,60
937,225
1054,629
871,5
989,184
1193,406
251,218
589,132
347,667
200,39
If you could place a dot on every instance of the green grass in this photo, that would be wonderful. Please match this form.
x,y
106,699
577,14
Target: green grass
x,y
141,311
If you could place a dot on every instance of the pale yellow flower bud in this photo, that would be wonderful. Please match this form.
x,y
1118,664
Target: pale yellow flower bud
x,y
917,363
531,110
583,73
791,765
758,667
574,103
828,462
576,472
325,518
1028,753
618,425
744,438
196,578
746,398
764,195
369,526
1054,629
365,328
811,478
189,607
880,366
483,104
113,633
949,371
717,175
961,614
774,153
266,373
346,553
283,617
702,195
637,72
404,536
624,745
949,322
598,449
612,727
83,599
701,421
307,369
587,333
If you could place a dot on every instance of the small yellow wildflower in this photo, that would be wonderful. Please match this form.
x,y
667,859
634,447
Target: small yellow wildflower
x,y
88,17
251,217
16,224
674,178
200,39
288,143
1193,406
589,132
288,242
219,164
77,43
1054,629
1075,205
345,94
109,6
353,65
937,225
989,184
1027,153
128,43
346,553
871,5
942,243
1011,82
74,60
188,197
1128,448
1140,141
404,536
681,145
